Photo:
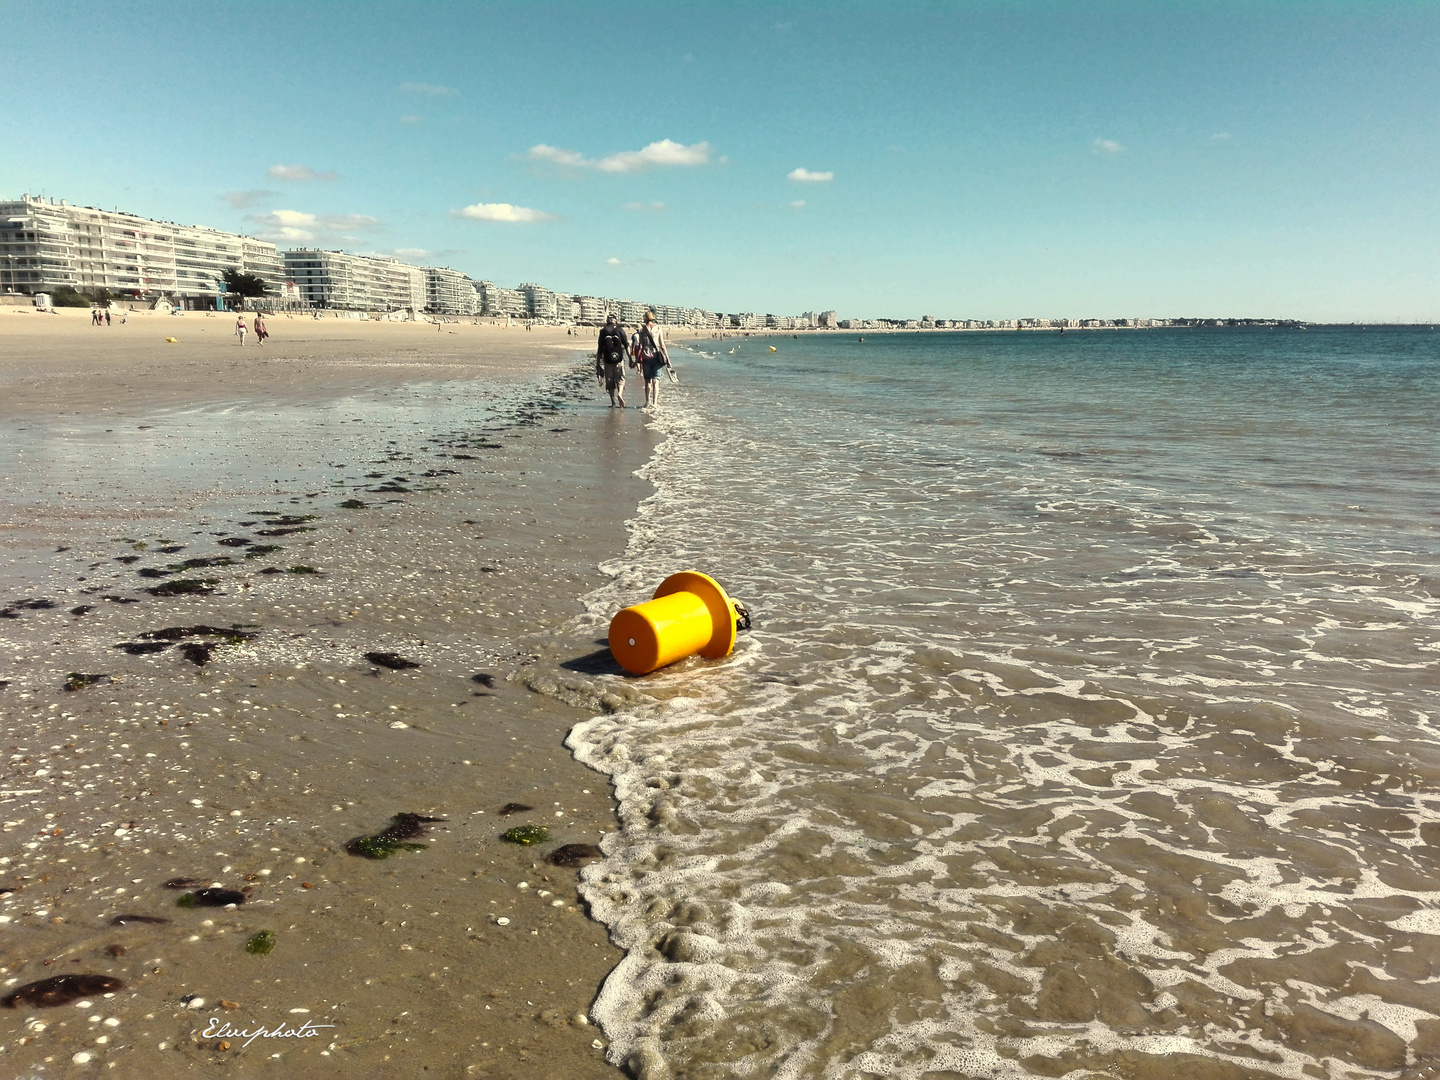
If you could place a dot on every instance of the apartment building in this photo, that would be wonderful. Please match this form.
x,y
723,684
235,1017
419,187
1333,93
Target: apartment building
x,y
338,279
45,244
449,292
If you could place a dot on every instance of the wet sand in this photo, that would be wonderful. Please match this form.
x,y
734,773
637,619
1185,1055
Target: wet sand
x,y
493,481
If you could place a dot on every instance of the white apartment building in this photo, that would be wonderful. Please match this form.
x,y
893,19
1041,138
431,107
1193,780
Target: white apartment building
x,y
449,292
337,279
46,244
539,301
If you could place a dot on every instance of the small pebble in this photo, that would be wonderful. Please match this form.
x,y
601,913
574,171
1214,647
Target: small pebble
x,y
195,1003
502,921
580,1019
81,1058
398,724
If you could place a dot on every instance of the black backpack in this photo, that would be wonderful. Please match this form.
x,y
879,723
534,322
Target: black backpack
x,y
612,344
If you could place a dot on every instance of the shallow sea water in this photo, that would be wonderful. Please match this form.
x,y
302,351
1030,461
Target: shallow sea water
x,y
1088,726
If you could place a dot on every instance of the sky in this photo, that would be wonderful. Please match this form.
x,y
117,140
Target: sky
x,y
979,160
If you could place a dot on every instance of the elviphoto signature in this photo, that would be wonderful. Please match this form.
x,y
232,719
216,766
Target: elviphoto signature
x,y
307,1030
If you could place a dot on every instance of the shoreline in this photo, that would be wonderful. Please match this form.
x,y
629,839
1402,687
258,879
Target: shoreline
x,y
256,768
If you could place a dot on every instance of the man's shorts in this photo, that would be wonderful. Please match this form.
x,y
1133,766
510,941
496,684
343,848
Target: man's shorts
x,y
615,376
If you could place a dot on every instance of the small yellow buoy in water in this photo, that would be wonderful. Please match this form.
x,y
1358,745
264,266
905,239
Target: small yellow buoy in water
x,y
689,613
173,341
772,348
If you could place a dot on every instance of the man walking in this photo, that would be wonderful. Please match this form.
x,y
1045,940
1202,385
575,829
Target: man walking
x,y
610,360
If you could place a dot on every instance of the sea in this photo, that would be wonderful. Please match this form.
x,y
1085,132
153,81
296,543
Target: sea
x,y
1088,726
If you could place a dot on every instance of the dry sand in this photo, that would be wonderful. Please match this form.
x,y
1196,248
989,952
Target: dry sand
x,y
507,481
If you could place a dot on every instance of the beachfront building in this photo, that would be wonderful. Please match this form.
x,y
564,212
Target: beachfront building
x,y
593,310
539,302
449,292
339,280
46,245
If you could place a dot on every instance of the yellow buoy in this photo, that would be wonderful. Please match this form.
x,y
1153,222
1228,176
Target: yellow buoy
x,y
173,341
689,614
772,348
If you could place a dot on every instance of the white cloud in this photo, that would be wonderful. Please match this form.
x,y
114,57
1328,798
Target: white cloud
x,y
656,206
411,118
1220,136
297,225
806,176
502,211
662,154
243,200
1107,146
798,204
612,261
298,173
428,89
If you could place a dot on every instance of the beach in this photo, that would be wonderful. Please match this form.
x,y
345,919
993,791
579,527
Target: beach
x,y
436,497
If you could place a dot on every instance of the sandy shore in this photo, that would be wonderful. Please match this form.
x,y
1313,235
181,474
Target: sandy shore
x,y
353,488
132,366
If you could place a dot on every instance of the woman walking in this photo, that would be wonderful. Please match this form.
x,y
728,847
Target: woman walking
x,y
654,357
240,328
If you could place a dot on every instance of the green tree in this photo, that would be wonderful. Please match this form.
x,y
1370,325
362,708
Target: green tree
x,y
69,296
242,284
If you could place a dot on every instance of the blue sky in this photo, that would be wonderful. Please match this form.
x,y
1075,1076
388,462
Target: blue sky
x,y
980,160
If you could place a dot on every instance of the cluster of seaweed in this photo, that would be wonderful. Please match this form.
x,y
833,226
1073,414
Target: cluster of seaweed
x,y
403,829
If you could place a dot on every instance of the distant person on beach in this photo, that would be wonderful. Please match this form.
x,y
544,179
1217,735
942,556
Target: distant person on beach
x,y
107,316
610,360
240,328
654,357
260,332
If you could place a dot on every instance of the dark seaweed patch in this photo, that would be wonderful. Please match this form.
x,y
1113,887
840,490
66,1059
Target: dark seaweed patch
x,y
153,572
302,570
140,648
353,504
235,541
9,613
210,898
60,990
34,605
272,570
186,587
262,549
176,633
261,944
393,661
77,681
127,920
197,652
201,564
171,550
120,599
374,475
283,532
83,609
402,829
392,488
484,678
291,519
574,855
514,808
127,559
465,457
183,882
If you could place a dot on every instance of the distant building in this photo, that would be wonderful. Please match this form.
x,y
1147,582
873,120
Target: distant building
x,y
337,279
46,245
449,292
